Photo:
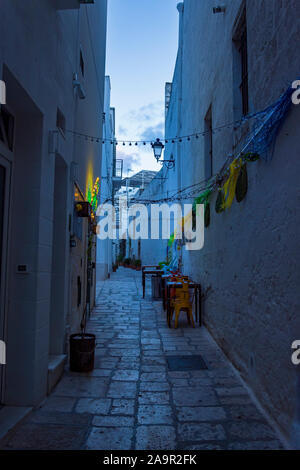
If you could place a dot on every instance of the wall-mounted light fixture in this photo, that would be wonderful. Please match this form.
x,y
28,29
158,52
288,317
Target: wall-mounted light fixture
x,y
157,149
78,87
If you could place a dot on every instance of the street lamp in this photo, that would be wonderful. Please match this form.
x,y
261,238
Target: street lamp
x,y
157,149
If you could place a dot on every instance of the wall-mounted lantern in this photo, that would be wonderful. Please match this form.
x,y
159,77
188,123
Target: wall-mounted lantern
x,y
157,149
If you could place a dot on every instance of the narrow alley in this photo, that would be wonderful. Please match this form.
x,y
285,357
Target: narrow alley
x,y
137,397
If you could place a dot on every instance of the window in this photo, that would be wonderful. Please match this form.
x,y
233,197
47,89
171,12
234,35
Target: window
x,y
81,63
244,69
240,66
208,145
60,121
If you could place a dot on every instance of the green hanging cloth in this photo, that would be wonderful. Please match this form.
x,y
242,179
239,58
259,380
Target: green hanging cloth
x,y
242,184
207,215
203,198
171,240
220,202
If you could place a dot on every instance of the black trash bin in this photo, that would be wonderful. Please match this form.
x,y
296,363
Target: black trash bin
x,y
82,352
156,287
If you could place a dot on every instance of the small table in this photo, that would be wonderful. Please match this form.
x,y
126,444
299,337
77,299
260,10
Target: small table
x,y
198,296
148,270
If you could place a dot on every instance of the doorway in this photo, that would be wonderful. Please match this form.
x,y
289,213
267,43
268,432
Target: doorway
x,y
4,211
58,281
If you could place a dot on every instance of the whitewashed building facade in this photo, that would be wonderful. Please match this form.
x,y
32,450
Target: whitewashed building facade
x,y
234,62
52,60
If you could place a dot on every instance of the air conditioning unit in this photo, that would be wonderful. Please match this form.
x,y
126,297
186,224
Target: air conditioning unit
x,y
71,4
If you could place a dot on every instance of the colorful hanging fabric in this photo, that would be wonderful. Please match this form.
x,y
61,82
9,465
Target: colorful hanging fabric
x,y
230,185
220,202
207,215
171,240
242,184
203,198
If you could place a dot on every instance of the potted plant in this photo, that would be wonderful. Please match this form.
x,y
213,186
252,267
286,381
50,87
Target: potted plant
x,y
138,264
127,262
120,260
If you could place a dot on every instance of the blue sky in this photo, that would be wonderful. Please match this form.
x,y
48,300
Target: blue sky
x,y
142,39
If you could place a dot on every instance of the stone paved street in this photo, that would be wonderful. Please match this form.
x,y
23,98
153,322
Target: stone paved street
x,y
132,400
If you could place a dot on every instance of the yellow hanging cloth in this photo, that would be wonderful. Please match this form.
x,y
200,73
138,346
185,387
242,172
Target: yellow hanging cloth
x,y
188,217
230,185
179,228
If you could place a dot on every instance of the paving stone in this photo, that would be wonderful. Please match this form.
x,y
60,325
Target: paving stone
x,y
50,437
112,421
101,372
110,438
126,375
187,396
155,437
158,398
153,353
154,361
205,446
120,389
123,407
58,417
255,445
153,368
245,412
179,382
200,382
154,386
179,375
82,387
201,432
203,413
153,377
93,406
59,404
155,414
231,392
250,431
235,400
113,407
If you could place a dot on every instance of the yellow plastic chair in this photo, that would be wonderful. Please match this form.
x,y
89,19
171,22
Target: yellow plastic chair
x,y
182,303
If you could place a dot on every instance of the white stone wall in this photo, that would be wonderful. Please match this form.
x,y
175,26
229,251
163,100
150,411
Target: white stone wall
x,y
104,247
39,54
250,258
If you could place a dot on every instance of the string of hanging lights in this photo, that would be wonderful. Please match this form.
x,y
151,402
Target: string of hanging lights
x,y
166,141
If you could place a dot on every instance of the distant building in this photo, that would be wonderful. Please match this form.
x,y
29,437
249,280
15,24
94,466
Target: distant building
x,y
131,188
52,59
